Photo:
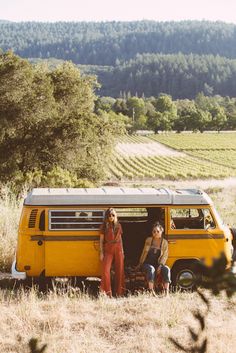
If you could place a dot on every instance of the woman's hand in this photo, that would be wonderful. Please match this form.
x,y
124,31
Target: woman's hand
x,y
101,256
101,241
158,270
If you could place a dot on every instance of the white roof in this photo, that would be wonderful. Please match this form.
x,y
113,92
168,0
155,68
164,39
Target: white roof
x,y
116,196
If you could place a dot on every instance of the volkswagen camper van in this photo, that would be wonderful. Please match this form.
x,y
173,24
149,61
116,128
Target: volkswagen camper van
x,y
59,230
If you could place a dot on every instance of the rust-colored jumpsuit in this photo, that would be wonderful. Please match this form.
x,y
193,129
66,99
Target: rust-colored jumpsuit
x,y
113,251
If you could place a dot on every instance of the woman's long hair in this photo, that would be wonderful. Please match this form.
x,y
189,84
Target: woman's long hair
x,y
107,214
106,219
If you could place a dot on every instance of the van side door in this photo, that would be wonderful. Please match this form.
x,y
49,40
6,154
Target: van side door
x,y
72,242
193,234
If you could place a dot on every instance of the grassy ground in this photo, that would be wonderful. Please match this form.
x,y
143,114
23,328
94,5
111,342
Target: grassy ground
x,y
74,323
10,213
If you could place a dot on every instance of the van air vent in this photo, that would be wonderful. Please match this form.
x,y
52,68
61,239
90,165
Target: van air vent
x,y
32,219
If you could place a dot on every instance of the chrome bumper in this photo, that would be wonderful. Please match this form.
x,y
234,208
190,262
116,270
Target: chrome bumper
x,y
16,274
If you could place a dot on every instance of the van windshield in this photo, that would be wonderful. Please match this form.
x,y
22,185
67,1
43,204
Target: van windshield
x,y
219,220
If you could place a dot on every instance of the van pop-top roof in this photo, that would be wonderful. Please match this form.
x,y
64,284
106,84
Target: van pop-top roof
x,y
115,196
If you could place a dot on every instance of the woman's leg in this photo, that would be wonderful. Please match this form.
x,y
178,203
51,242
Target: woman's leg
x,y
150,272
106,274
165,272
119,271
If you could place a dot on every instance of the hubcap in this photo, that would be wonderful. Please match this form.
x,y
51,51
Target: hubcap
x,y
186,279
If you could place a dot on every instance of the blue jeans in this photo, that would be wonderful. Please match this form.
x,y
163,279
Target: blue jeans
x,y
151,272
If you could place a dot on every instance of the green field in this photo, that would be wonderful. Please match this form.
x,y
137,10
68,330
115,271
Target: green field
x,y
219,148
197,141
208,155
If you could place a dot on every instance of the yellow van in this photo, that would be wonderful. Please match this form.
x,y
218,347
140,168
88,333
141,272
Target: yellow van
x,y
59,230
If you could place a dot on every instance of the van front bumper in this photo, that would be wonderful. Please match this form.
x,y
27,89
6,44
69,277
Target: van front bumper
x,y
16,274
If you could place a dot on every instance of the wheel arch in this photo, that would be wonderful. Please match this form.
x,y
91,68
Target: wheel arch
x,y
177,263
233,232
184,266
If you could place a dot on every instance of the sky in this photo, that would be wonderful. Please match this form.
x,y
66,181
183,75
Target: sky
x,y
117,10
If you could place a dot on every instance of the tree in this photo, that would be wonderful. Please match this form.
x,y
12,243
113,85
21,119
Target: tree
x,y
219,118
137,112
104,103
27,110
166,114
185,108
120,106
191,117
47,120
229,105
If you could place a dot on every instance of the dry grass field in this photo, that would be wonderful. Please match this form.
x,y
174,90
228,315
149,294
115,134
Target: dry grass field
x,y
10,213
76,323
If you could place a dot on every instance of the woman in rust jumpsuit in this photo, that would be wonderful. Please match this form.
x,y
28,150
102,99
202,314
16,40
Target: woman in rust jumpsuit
x,y
111,249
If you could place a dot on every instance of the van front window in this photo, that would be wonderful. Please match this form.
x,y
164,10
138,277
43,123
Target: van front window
x,y
191,218
219,220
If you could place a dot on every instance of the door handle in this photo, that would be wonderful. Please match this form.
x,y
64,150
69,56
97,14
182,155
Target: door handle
x,y
171,241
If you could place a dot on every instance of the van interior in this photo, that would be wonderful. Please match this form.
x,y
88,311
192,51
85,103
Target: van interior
x,y
137,226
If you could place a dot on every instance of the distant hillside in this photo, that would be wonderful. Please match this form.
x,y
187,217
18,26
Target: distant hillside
x,y
106,43
181,76
143,57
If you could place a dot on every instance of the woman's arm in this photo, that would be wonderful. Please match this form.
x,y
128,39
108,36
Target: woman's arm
x,y
101,246
164,252
145,250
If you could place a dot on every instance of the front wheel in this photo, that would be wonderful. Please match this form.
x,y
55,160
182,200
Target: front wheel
x,y
233,232
184,275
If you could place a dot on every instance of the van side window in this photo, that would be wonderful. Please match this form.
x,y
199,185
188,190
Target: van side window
x,y
142,216
191,218
75,219
208,219
131,214
42,221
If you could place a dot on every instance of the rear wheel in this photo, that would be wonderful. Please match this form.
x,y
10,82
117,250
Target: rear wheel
x,y
184,275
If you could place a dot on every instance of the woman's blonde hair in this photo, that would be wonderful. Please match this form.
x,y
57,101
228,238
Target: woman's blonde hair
x,y
105,223
108,212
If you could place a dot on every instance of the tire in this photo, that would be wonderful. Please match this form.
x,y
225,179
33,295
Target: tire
x,y
44,284
233,232
184,275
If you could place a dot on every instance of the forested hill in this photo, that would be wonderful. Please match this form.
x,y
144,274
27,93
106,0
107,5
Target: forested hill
x,y
143,57
181,76
106,43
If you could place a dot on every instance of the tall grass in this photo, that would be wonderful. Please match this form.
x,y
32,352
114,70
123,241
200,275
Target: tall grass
x,y
9,220
76,323
224,199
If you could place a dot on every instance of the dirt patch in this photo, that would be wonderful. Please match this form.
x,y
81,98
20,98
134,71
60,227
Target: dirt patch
x,y
146,149
208,183
196,183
